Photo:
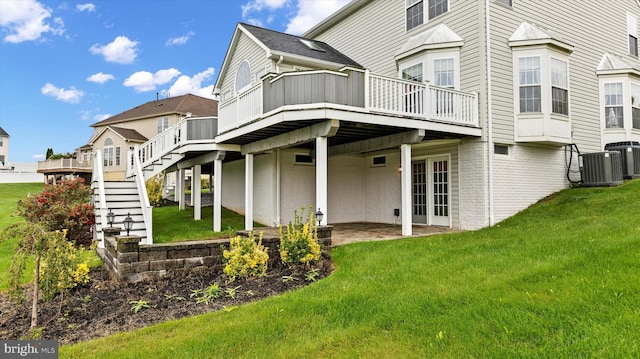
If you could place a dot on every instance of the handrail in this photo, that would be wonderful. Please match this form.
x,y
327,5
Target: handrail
x,y
382,95
144,197
99,179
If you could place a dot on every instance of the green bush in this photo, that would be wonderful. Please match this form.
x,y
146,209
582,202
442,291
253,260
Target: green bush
x,y
299,244
62,206
245,257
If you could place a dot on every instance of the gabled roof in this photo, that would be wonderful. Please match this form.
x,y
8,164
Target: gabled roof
x,y
126,134
615,64
531,34
196,105
3,132
279,42
276,44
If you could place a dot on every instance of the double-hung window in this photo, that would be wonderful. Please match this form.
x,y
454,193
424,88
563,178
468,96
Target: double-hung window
x,y
443,76
559,87
415,11
162,124
635,106
413,94
530,84
613,105
108,153
632,31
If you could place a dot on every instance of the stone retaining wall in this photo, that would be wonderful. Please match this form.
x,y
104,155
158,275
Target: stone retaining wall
x,y
130,261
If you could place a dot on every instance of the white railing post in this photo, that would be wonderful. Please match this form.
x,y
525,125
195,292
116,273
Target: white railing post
x,y
366,90
98,178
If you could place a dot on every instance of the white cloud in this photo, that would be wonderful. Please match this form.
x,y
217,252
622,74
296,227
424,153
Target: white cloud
x,y
121,50
144,81
259,5
72,95
38,157
88,7
26,20
101,116
185,84
311,12
179,40
100,78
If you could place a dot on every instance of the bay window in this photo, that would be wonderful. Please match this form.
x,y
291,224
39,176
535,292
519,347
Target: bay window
x,y
635,106
559,87
529,80
613,106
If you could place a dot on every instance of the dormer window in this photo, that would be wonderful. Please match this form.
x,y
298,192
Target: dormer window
x,y
243,76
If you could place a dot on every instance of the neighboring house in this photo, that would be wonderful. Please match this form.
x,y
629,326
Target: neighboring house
x,y
4,148
118,134
438,112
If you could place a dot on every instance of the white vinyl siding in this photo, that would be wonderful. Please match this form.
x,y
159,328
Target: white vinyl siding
x,y
246,50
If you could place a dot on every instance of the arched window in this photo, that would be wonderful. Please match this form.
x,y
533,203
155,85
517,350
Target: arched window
x,y
243,76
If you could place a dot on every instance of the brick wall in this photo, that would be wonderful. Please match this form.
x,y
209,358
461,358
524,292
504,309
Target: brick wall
x,y
129,261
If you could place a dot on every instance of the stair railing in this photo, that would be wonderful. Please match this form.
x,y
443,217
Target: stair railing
x,y
142,194
101,207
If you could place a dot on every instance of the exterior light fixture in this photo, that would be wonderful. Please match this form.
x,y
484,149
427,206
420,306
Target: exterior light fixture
x,y
128,223
111,218
319,216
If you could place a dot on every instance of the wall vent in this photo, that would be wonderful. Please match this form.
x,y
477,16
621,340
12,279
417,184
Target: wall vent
x,y
630,151
601,168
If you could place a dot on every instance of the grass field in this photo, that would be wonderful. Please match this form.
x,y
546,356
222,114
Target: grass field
x,y
559,280
10,193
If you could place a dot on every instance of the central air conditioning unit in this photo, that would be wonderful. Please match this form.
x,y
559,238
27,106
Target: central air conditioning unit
x,y
601,168
630,151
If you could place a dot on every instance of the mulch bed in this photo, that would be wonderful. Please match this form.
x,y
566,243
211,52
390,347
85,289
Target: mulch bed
x,y
104,307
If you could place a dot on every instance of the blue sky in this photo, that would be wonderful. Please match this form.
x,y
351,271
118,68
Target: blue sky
x,y
65,65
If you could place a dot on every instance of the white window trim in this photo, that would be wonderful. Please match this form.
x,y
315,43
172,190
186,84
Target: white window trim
x,y
427,59
545,55
425,14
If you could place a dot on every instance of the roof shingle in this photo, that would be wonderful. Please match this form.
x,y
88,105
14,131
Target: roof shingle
x,y
196,105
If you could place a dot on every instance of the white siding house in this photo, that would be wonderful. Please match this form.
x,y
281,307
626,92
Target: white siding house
x,y
438,112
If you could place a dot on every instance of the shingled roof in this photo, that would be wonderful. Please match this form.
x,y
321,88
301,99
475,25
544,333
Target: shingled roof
x,y
291,44
196,105
129,134
3,132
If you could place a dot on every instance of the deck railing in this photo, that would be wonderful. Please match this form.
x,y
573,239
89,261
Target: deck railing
x,y
64,164
382,95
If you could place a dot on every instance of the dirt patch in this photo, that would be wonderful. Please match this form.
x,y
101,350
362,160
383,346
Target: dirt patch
x,y
104,307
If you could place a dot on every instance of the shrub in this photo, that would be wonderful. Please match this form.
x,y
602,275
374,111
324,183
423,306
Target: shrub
x,y
61,267
245,257
154,190
299,244
62,206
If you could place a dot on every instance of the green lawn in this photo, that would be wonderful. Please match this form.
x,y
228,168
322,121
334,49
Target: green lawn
x,y
10,193
559,280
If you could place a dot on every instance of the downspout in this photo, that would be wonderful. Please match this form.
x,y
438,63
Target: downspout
x,y
278,64
489,113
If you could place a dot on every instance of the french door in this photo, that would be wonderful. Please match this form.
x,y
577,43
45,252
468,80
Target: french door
x,y
430,191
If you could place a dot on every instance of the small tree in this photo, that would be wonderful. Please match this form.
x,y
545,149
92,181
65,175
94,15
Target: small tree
x,y
63,206
154,190
57,265
49,153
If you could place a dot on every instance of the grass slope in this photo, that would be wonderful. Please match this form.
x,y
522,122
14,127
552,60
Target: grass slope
x,y
559,280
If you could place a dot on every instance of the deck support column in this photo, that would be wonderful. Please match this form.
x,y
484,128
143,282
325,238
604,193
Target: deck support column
x,y
196,192
321,177
217,195
180,189
405,184
248,192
